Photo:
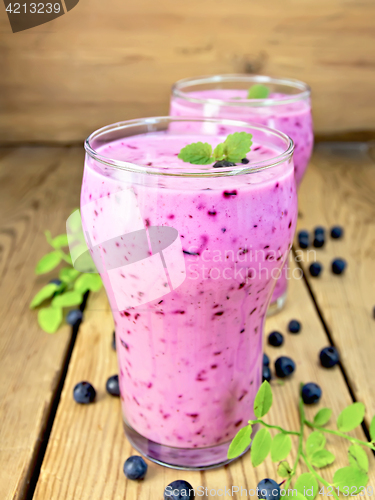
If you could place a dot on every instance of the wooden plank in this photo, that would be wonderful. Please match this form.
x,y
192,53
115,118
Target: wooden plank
x,y
87,447
100,64
38,189
339,189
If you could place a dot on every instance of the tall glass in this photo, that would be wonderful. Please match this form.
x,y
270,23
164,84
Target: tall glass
x,y
188,255
287,108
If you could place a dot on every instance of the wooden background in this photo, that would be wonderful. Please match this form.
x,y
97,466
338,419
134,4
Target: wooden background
x,y
115,60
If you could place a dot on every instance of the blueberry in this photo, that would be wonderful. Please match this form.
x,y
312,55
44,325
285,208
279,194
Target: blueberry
x,y
319,240
294,326
284,366
268,489
84,393
135,467
179,490
266,360
319,231
112,386
276,339
266,374
329,357
315,269
114,340
311,393
223,163
74,317
338,266
245,161
303,239
56,281
337,232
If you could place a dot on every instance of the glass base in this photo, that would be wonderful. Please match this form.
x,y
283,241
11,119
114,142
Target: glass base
x,y
180,458
277,305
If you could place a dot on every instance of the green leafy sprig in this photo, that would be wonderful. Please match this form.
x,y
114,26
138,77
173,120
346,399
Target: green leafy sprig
x,y
233,149
351,479
258,91
67,294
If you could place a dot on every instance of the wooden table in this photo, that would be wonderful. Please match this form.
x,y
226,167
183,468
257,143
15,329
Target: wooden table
x,y
54,449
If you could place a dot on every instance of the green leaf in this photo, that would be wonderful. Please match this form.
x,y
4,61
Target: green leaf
x,y
50,318
197,153
322,458
322,417
358,457
219,152
307,485
60,241
281,446
263,400
292,493
372,429
86,282
261,446
350,477
48,262
351,417
258,91
284,469
67,299
237,145
315,442
68,274
45,293
240,442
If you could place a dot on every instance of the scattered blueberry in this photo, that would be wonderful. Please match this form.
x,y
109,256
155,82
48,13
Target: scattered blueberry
x,y
135,467
84,393
56,281
373,312
245,161
74,317
223,163
319,240
112,386
275,339
114,340
284,366
338,266
315,269
268,489
294,326
319,231
329,357
303,239
179,490
337,232
266,375
266,360
311,393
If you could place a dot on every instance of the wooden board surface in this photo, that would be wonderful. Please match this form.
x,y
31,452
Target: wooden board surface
x,y
38,189
340,189
109,61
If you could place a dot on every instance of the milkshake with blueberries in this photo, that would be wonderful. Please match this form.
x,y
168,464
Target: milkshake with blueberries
x,y
189,244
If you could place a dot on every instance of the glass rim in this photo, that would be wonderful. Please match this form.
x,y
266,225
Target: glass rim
x,y
305,90
198,170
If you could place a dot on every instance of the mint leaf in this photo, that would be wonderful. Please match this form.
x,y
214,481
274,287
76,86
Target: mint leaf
x,y
358,457
240,442
322,417
219,152
322,458
87,282
68,274
351,417
258,91
67,299
263,400
284,469
237,145
372,429
315,442
307,485
45,293
48,262
60,241
281,446
260,447
351,478
197,153
50,318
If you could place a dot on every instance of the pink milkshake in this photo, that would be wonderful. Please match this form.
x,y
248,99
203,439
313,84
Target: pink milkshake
x,y
287,108
188,255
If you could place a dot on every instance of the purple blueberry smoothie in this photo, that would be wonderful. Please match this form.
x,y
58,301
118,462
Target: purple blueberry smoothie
x,y
188,255
287,108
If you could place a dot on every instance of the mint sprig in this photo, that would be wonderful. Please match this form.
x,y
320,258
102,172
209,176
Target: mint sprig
x,y
233,149
352,478
258,91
